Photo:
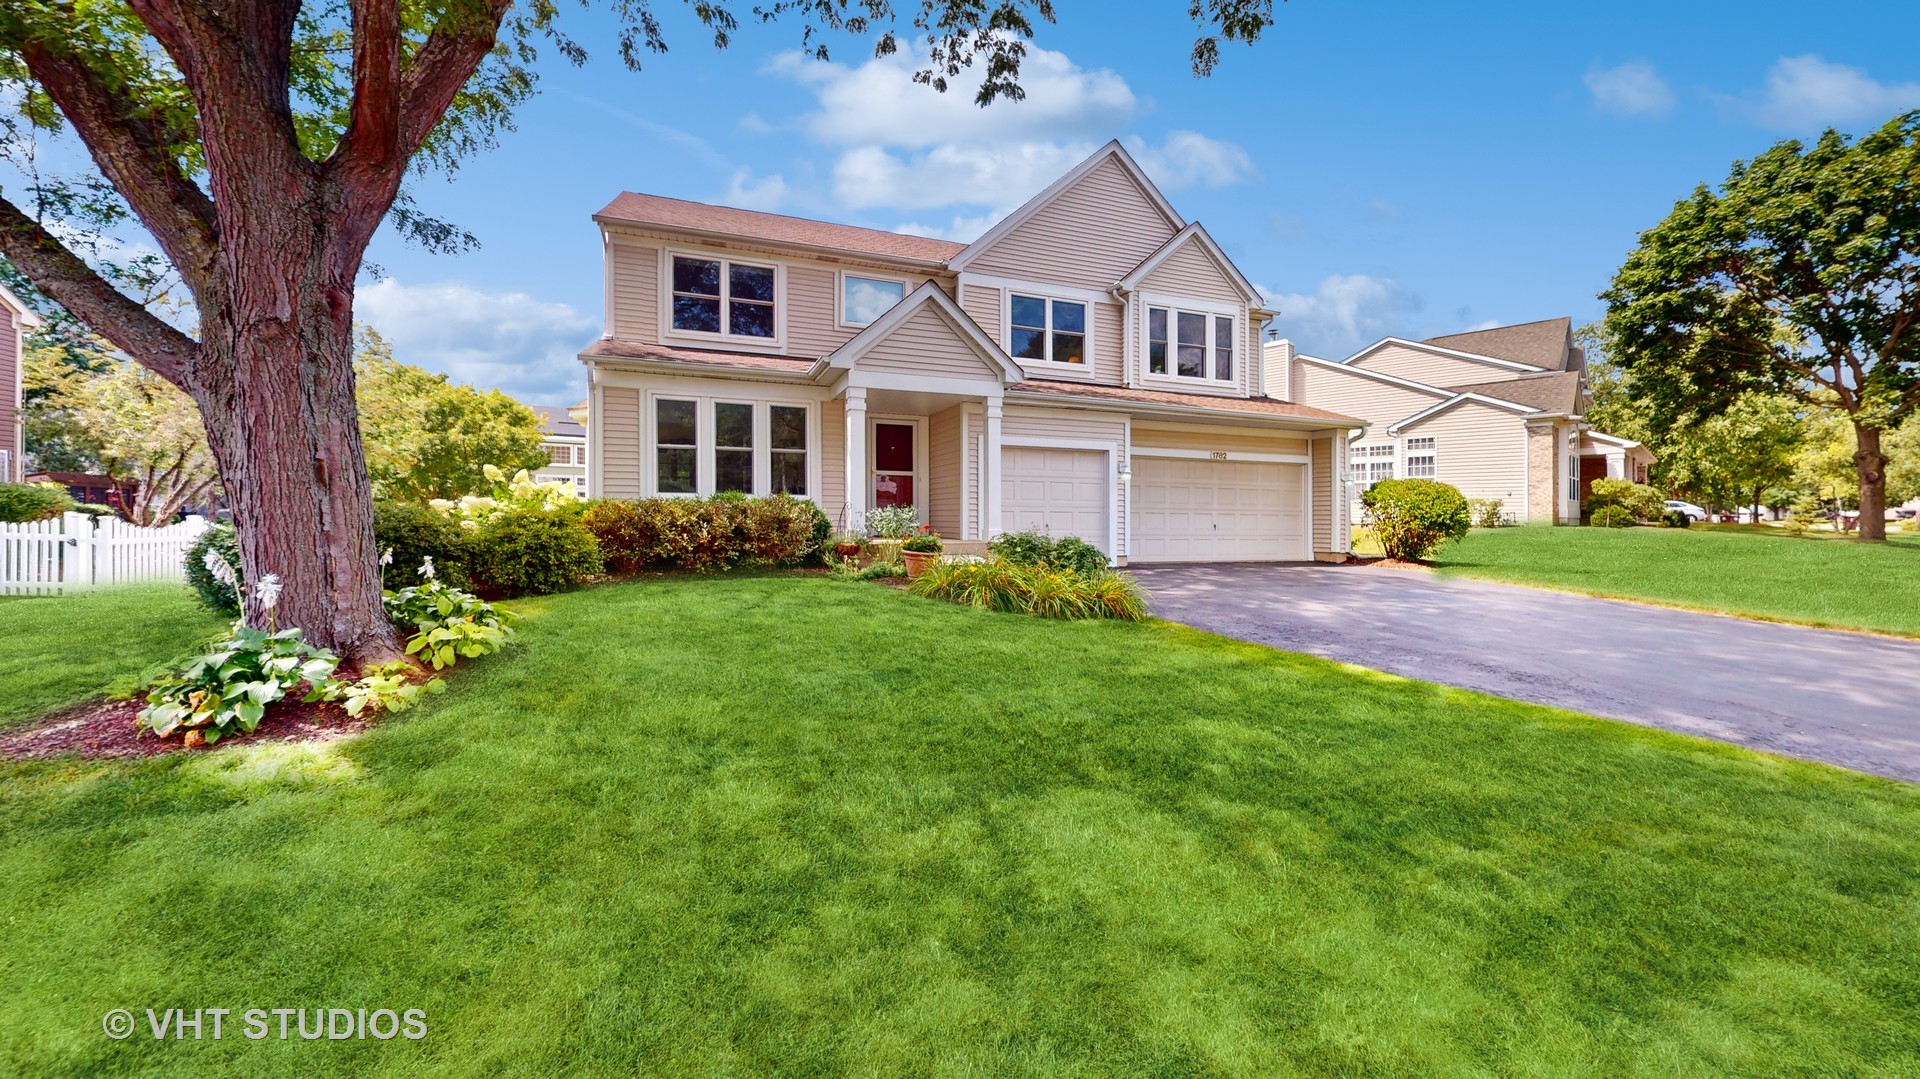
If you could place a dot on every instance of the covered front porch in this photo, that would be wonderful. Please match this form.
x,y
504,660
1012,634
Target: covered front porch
x,y
1607,457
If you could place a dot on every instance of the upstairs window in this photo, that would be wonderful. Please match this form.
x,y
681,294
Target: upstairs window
x,y
1046,330
723,297
1201,345
1420,457
863,299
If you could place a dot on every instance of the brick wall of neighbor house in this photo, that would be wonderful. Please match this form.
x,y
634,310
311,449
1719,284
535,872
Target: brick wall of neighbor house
x,y
619,442
1543,473
10,437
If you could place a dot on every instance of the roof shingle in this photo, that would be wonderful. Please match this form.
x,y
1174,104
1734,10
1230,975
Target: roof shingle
x,y
1556,392
1262,406
1542,344
679,214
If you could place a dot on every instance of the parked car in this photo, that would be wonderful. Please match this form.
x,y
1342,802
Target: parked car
x,y
1688,508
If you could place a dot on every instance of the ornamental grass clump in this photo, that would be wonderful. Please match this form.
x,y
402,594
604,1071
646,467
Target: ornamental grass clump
x,y
1412,518
1042,591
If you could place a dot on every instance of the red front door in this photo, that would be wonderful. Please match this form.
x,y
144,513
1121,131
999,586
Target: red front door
x,y
892,464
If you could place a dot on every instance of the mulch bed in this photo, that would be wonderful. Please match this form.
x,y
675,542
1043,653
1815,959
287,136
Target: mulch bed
x,y
106,729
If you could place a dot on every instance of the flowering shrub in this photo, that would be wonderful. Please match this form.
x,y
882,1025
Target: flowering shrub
x,y
893,522
521,492
923,541
705,535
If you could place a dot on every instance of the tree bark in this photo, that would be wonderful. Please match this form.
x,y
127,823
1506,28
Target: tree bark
x,y
1871,467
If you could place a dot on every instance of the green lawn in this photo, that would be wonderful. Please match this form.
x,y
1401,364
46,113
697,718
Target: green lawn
x,y
1818,580
58,650
756,826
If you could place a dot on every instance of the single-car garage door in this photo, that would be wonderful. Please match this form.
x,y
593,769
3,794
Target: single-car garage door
x,y
1218,511
1059,492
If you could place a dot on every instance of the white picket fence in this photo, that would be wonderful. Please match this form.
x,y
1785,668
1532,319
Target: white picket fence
x,y
44,558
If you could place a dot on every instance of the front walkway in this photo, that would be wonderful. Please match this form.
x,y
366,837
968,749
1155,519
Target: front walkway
x,y
1844,698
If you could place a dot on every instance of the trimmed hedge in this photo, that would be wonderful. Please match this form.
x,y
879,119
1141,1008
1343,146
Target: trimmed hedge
x,y
531,552
1414,517
416,533
22,502
706,535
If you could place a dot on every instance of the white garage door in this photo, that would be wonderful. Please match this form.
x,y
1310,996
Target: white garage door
x,y
1059,492
1218,511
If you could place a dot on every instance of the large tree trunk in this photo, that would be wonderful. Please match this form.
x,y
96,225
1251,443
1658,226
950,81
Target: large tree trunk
x,y
1871,466
274,382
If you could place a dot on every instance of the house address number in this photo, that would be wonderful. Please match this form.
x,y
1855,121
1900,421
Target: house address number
x,y
1219,455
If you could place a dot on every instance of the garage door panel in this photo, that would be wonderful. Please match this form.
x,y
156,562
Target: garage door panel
x,y
1059,492
1203,511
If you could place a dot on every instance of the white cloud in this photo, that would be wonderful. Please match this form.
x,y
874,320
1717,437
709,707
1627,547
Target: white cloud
x,y
1344,313
750,194
1631,89
905,147
1806,92
504,340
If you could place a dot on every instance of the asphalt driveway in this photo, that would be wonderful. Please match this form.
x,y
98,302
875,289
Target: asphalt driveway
x,y
1844,698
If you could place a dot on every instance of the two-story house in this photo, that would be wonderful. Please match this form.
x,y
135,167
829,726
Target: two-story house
x,y
16,321
563,437
1089,366
1497,413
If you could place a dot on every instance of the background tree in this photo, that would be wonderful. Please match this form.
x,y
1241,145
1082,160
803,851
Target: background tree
x,y
427,436
1821,242
261,143
1739,455
148,438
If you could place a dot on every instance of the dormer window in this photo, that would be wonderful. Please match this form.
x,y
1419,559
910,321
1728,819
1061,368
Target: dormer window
x,y
1190,344
724,298
1045,330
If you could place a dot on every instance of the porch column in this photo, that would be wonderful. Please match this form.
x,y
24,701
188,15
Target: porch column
x,y
990,463
857,482
1617,466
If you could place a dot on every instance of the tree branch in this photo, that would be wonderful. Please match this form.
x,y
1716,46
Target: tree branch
x,y
74,285
132,152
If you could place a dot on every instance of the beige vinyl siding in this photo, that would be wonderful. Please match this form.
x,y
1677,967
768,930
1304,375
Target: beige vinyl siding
x,y
926,344
1200,438
1190,271
1379,403
620,450
812,318
1057,423
982,305
1109,344
1090,235
1480,449
833,461
1419,365
636,294
1323,488
946,479
974,428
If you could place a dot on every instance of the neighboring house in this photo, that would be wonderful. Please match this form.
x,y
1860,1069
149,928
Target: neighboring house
x,y
564,439
16,319
1496,413
1088,366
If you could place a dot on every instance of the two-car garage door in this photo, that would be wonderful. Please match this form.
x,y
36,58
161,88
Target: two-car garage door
x,y
1187,510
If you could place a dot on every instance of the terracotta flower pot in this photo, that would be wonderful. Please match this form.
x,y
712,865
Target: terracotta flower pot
x,y
847,550
919,562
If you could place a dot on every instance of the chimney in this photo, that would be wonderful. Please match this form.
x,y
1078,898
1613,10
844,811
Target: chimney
x,y
1276,363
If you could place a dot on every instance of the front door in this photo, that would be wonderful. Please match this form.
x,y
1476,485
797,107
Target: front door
x,y
894,463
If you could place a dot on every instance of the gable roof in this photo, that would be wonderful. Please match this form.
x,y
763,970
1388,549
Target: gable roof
x,y
1455,401
1439,350
927,295
680,215
1112,151
1546,344
1557,391
1378,376
1194,233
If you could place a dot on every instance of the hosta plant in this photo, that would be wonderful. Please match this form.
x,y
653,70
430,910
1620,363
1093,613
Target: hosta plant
x,y
382,688
445,624
226,690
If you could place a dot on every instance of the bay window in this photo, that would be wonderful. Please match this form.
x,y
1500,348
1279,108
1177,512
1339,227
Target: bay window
x,y
1190,344
1044,330
722,297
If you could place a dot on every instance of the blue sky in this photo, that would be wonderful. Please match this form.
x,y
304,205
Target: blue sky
x,y
1377,167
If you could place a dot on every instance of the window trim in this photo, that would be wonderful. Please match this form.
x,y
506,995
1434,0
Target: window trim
x,y
664,286
840,294
706,436
1212,312
1365,456
1050,297
1409,453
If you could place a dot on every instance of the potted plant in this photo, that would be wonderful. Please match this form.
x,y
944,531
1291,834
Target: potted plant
x,y
847,546
921,550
